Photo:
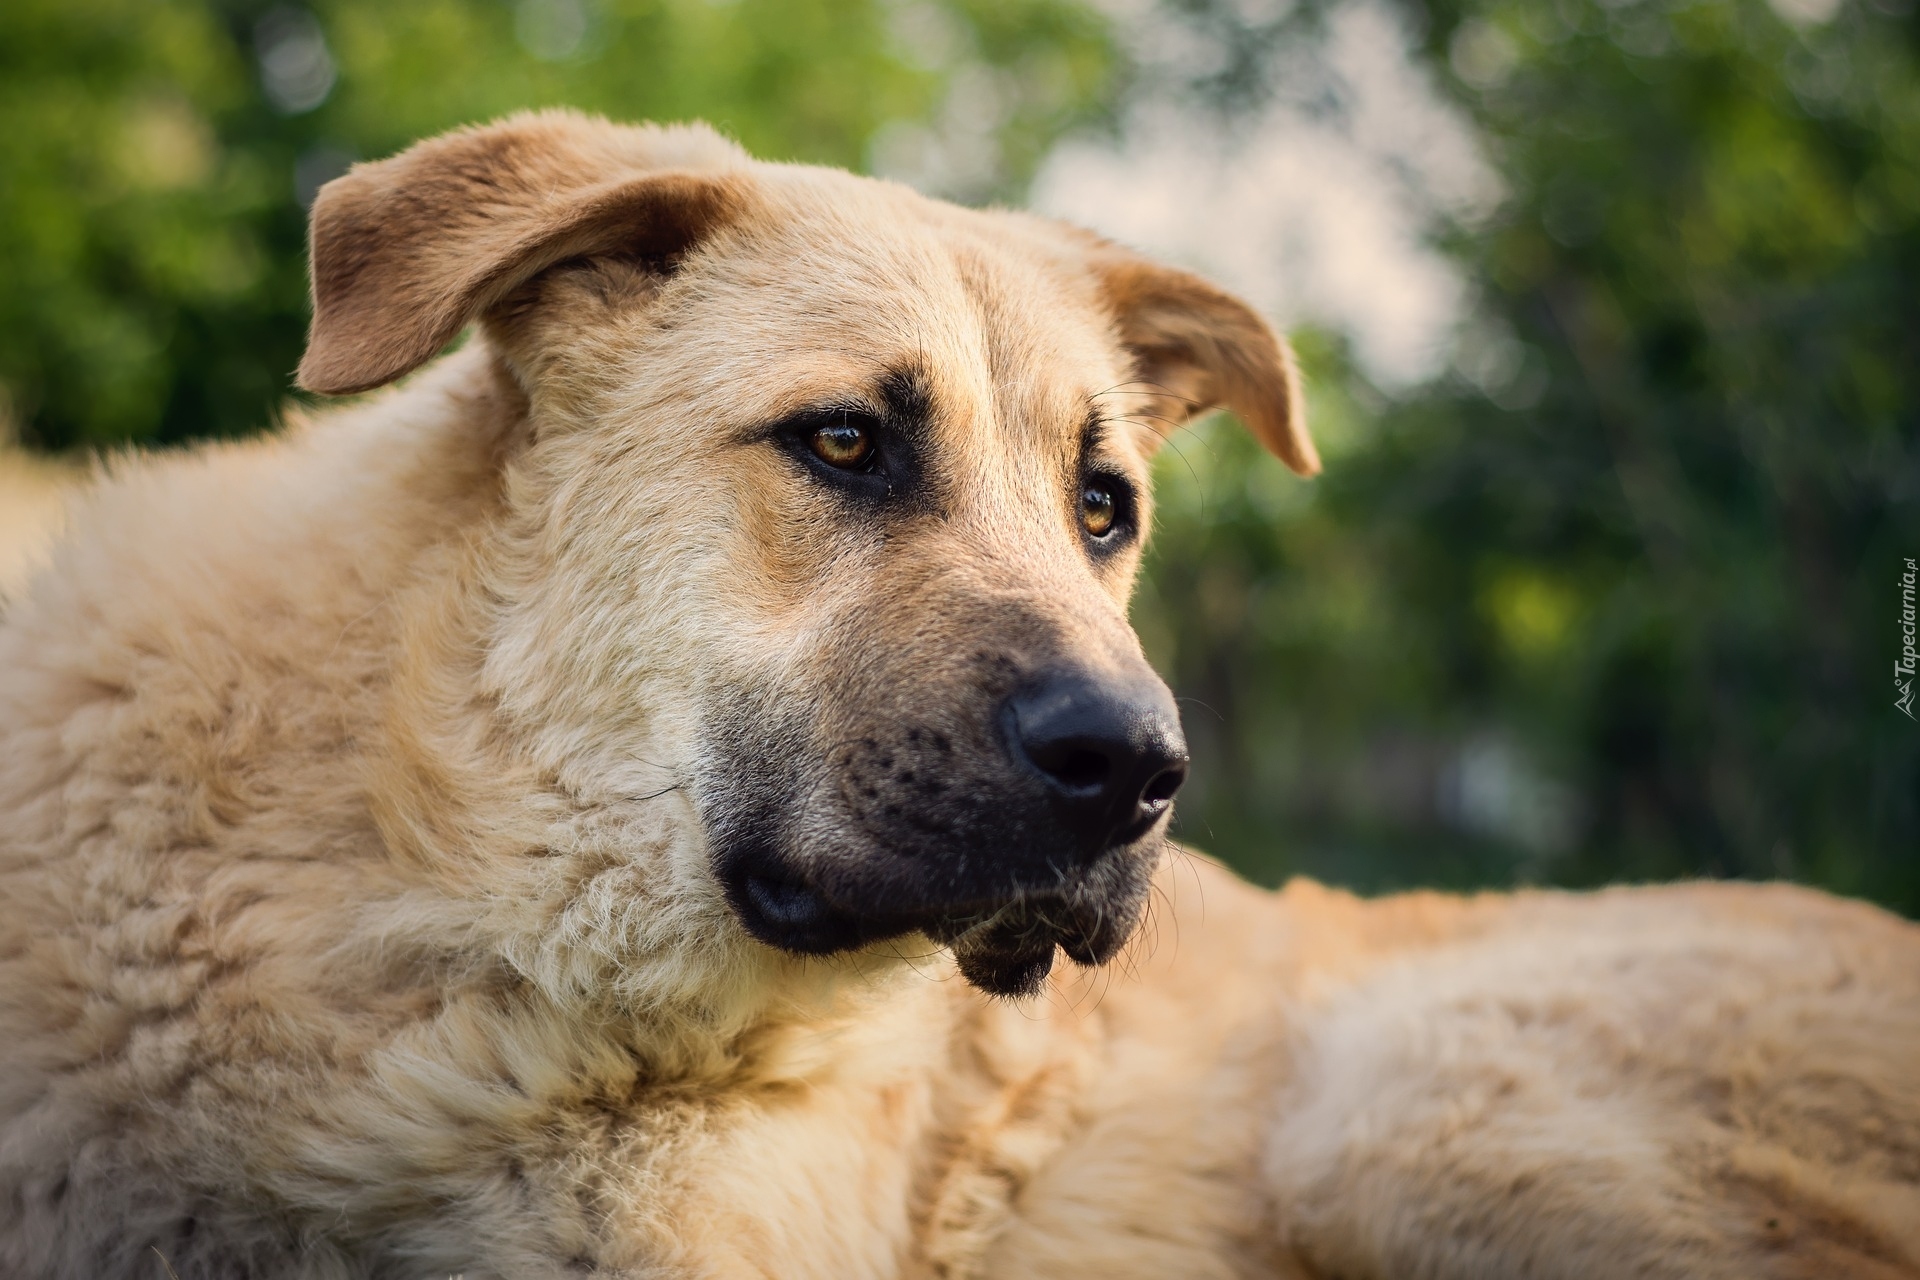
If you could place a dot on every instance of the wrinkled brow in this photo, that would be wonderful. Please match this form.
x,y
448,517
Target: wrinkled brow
x,y
900,396
1093,430
906,396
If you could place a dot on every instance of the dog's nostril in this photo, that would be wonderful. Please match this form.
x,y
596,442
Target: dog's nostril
x,y
1159,791
1076,768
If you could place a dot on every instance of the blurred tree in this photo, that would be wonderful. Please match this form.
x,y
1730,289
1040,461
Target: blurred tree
x,y
156,155
1620,596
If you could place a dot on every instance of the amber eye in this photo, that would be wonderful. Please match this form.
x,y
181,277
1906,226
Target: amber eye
x,y
846,445
1097,509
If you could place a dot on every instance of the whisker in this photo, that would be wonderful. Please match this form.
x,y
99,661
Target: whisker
x,y
1187,462
1155,388
1199,702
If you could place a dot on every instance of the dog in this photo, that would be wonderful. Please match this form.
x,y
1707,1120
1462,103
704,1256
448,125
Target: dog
x,y
670,790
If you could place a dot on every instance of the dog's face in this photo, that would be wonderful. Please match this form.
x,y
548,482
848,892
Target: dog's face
x,y
834,497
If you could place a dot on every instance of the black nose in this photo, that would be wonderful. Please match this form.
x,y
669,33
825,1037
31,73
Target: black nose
x,y
1111,755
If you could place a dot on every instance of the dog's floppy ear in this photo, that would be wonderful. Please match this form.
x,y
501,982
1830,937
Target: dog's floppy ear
x,y
1201,348
407,251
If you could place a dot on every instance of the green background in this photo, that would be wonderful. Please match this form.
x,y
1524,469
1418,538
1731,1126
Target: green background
x,y
1632,614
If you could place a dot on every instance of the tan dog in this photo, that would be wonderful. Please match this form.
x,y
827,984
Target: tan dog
x,y
561,817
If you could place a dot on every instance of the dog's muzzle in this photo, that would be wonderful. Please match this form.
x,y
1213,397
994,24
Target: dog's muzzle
x,y
1043,835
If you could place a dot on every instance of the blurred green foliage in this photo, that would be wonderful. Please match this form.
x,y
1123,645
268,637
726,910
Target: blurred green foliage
x,y
156,155
1616,598
1621,598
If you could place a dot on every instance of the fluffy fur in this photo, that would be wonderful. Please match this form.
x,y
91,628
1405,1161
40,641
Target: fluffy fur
x,y
358,912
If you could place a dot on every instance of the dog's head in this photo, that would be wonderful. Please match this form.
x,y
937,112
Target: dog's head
x,y
830,504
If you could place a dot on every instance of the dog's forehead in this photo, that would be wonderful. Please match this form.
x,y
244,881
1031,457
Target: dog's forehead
x,y
838,282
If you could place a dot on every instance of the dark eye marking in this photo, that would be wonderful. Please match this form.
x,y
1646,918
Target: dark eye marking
x,y
868,446
1105,504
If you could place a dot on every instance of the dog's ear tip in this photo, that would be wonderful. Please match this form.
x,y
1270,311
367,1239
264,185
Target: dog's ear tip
x,y
334,388
326,371
1288,441
315,377
1285,434
1295,445
320,383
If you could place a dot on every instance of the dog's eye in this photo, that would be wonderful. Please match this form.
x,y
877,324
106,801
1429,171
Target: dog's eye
x,y
1098,508
846,445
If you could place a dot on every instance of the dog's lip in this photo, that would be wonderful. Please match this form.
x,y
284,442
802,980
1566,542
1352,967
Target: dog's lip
x,y
795,915
1004,949
1004,943
784,903
792,915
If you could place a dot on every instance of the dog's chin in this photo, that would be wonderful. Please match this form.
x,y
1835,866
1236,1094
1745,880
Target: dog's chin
x,y
1004,947
1012,951
1015,975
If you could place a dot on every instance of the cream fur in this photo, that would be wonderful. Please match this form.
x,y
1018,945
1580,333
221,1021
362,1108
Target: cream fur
x,y
355,920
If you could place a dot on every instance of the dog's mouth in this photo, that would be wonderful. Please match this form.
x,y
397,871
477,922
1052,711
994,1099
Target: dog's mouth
x,y
1005,947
